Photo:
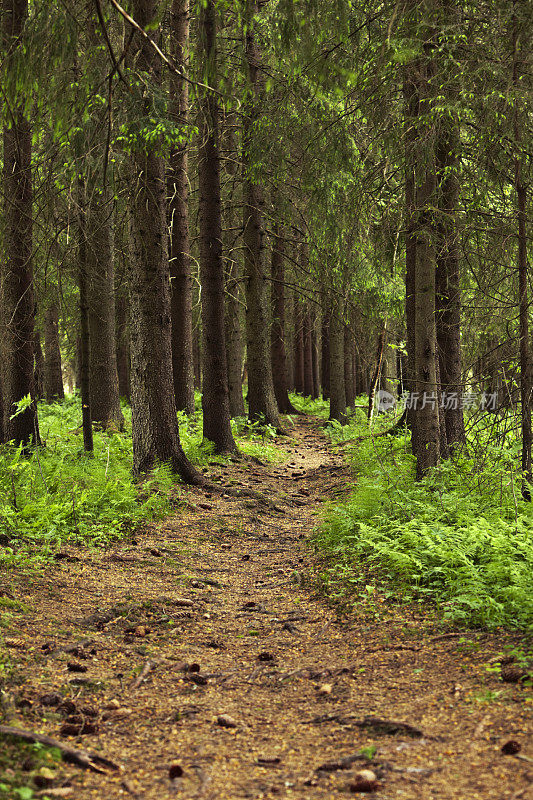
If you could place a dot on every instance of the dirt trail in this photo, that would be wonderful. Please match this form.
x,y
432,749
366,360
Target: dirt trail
x,y
216,590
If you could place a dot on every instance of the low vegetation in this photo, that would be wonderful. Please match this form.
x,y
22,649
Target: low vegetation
x,y
59,494
460,538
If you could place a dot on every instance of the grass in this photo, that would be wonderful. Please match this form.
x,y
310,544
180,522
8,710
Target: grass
x,y
460,540
59,495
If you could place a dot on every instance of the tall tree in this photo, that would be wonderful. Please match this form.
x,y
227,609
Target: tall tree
x,y
215,399
18,303
180,267
154,418
337,389
261,396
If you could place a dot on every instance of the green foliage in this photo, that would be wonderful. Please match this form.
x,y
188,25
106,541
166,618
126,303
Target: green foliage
x,y
59,494
461,538
21,766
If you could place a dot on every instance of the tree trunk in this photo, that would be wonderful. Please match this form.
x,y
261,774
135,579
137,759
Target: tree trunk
x,y
298,341
337,391
427,411
38,373
325,353
18,305
308,354
215,398
448,299
53,374
180,267
261,397
316,370
278,354
122,344
519,31
411,113
105,400
83,342
234,293
154,418
348,367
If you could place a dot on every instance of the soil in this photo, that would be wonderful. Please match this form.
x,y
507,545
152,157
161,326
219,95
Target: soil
x,y
201,658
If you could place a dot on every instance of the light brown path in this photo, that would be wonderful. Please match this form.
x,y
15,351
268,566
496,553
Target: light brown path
x,y
294,675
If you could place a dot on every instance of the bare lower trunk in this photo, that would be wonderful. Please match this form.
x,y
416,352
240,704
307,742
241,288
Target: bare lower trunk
x,y
337,398
180,267
298,343
122,344
348,367
215,398
53,374
278,354
308,354
325,353
316,369
38,374
105,400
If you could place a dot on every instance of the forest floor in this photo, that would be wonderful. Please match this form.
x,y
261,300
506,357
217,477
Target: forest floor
x,y
200,657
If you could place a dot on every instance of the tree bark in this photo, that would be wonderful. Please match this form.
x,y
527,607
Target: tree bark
x,y
180,267
38,373
122,343
348,367
298,345
105,400
316,369
308,353
154,418
215,397
427,411
411,105
84,342
53,374
18,305
278,354
325,353
337,391
520,33
261,397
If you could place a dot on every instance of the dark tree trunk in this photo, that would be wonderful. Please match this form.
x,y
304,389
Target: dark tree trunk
x,y
337,391
325,353
261,397
18,305
197,356
154,418
308,354
316,370
411,114
215,397
448,299
518,28
2,432
38,374
298,347
348,367
53,374
427,412
234,293
122,344
105,400
84,343
374,382
180,267
279,356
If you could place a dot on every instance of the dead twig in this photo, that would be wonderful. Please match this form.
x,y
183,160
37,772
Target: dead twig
x,y
81,758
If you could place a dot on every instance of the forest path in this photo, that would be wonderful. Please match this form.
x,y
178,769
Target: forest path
x,y
204,615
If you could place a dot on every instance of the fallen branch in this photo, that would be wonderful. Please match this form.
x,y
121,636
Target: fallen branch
x,y
81,758
147,668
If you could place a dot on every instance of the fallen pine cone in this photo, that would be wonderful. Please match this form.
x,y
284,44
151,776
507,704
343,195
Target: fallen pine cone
x,y
512,674
511,748
225,721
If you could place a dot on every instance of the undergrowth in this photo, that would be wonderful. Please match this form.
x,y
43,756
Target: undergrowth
x,y
58,494
460,539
